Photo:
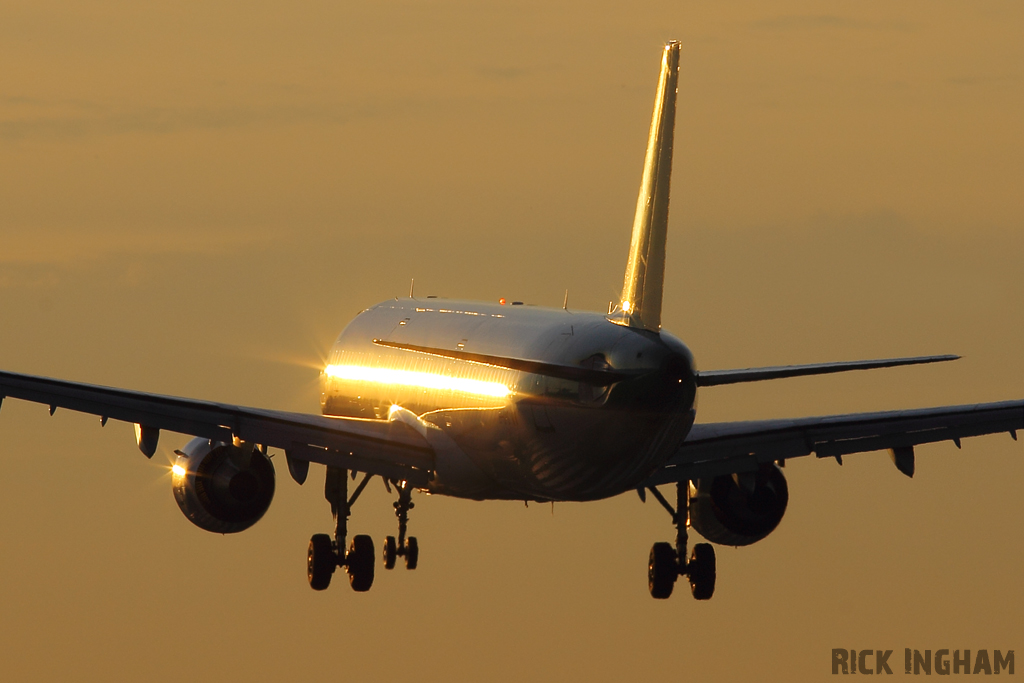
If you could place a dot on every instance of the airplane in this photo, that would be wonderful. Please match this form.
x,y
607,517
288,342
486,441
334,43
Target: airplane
x,y
506,401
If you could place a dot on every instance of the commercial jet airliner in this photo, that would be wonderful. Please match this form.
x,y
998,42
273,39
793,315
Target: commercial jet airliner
x,y
496,401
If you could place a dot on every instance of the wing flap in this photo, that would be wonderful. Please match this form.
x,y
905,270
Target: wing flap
x,y
418,477
728,447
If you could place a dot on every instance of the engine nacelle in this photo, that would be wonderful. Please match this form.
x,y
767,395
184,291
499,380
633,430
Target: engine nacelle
x,y
739,509
221,487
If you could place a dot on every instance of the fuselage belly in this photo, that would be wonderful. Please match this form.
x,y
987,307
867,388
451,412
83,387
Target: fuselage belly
x,y
531,436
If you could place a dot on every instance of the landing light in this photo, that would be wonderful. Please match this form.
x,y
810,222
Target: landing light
x,y
178,470
626,306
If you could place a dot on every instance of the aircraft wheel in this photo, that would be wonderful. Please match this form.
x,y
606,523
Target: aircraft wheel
x,y
412,553
662,570
390,552
360,563
320,562
702,571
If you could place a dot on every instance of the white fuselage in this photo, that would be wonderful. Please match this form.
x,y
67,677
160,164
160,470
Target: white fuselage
x,y
530,436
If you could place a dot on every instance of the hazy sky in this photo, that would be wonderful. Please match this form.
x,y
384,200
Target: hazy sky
x,y
195,199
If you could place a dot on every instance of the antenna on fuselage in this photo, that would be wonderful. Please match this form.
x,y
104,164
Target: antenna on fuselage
x,y
640,303
412,286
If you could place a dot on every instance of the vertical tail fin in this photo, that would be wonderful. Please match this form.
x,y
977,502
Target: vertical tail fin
x,y
640,304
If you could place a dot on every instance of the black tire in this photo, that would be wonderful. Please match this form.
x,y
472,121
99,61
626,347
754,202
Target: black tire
x,y
320,562
390,552
412,553
662,570
702,571
360,563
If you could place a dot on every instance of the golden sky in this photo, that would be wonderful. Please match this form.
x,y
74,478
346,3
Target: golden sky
x,y
195,199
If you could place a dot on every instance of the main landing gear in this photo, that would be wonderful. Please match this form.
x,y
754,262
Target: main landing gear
x,y
668,563
326,554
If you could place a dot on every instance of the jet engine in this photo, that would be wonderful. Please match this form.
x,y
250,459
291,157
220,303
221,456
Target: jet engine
x,y
739,509
222,487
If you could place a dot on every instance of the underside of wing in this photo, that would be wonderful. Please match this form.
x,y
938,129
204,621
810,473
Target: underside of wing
x,y
388,448
731,447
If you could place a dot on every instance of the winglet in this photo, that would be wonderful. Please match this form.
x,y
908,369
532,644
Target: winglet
x,y
640,303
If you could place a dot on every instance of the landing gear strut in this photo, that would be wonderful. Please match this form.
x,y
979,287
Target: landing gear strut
x,y
409,549
327,554
667,563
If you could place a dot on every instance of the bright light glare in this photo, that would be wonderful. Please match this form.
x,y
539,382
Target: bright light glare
x,y
425,380
178,470
626,306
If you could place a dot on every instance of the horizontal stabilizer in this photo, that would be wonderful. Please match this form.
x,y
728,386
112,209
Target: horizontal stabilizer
x,y
718,377
574,373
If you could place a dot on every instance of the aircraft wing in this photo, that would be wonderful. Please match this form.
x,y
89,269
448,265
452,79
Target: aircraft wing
x,y
388,448
728,447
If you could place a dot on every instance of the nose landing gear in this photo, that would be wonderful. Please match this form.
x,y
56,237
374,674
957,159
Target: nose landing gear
x,y
325,554
666,563
409,549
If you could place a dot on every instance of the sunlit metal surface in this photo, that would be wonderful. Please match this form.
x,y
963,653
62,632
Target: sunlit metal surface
x,y
640,302
423,380
533,429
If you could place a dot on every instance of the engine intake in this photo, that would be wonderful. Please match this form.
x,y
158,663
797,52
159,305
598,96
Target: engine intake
x,y
221,487
739,509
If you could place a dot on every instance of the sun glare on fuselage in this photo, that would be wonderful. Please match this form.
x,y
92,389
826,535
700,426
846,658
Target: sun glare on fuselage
x,y
424,380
